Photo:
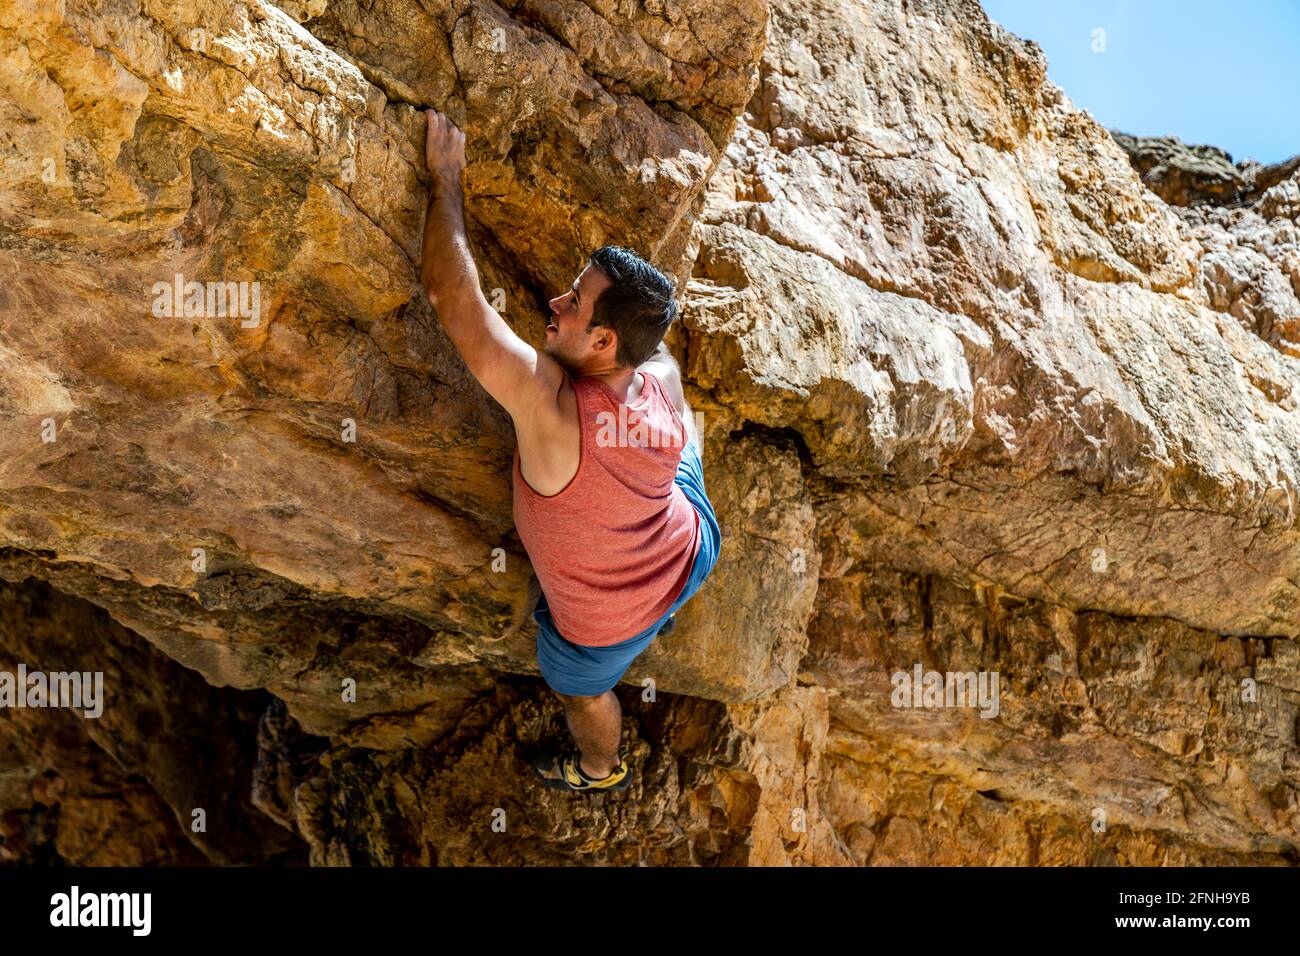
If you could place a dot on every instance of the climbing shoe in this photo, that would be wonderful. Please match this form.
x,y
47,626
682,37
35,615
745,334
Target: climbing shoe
x,y
668,626
561,770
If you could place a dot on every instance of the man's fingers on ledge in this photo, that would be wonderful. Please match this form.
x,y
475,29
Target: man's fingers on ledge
x,y
436,116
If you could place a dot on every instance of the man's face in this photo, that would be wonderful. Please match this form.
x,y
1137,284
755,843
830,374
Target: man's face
x,y
567,338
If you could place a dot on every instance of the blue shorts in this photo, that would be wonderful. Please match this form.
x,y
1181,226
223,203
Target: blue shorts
x,y
588,671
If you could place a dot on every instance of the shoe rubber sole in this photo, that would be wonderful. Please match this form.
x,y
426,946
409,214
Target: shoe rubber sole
x,y
549,762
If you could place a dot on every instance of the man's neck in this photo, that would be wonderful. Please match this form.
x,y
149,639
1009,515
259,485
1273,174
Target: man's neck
x,y
622,380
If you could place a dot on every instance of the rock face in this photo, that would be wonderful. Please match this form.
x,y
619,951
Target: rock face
x,y
1184,175
1244,216
121,788
975,400
1251,268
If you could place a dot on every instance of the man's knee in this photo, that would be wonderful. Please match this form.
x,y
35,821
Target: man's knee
x,y
578,700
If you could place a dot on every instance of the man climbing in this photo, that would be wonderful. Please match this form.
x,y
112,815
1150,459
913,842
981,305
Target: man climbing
x,y
609,496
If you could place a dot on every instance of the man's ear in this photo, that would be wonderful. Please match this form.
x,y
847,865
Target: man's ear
x,y
606,338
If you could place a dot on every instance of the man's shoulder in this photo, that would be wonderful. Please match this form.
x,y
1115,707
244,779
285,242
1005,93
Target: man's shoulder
x,y
666,374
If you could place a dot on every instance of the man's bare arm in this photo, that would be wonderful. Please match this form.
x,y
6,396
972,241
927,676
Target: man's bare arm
x,y
509,369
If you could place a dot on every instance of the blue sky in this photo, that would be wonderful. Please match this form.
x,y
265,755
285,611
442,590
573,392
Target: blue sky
x,y
1225,73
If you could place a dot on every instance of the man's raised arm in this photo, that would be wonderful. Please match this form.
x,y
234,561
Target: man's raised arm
x,y
511,370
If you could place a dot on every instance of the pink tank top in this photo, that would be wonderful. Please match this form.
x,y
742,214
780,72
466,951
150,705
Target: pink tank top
x,y
614,548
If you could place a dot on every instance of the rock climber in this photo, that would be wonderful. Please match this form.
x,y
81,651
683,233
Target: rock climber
x,y
609,496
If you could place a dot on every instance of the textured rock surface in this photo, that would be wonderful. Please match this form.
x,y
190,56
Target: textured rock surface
x,y
975,398
122,788
1251,270
1190,175
1183,174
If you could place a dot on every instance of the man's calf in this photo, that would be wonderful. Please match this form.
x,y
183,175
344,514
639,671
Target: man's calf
x,y
597,725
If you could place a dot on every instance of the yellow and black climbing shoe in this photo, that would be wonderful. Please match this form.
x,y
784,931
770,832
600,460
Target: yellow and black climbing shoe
x,y
561,770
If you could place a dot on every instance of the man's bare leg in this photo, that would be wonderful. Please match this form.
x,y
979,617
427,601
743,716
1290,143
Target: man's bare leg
x,y
597,725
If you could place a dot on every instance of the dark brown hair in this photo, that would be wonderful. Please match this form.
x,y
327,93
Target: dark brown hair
x,y
638,303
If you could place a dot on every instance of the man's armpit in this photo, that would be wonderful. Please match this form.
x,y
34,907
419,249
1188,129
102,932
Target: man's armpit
x,y
539,404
